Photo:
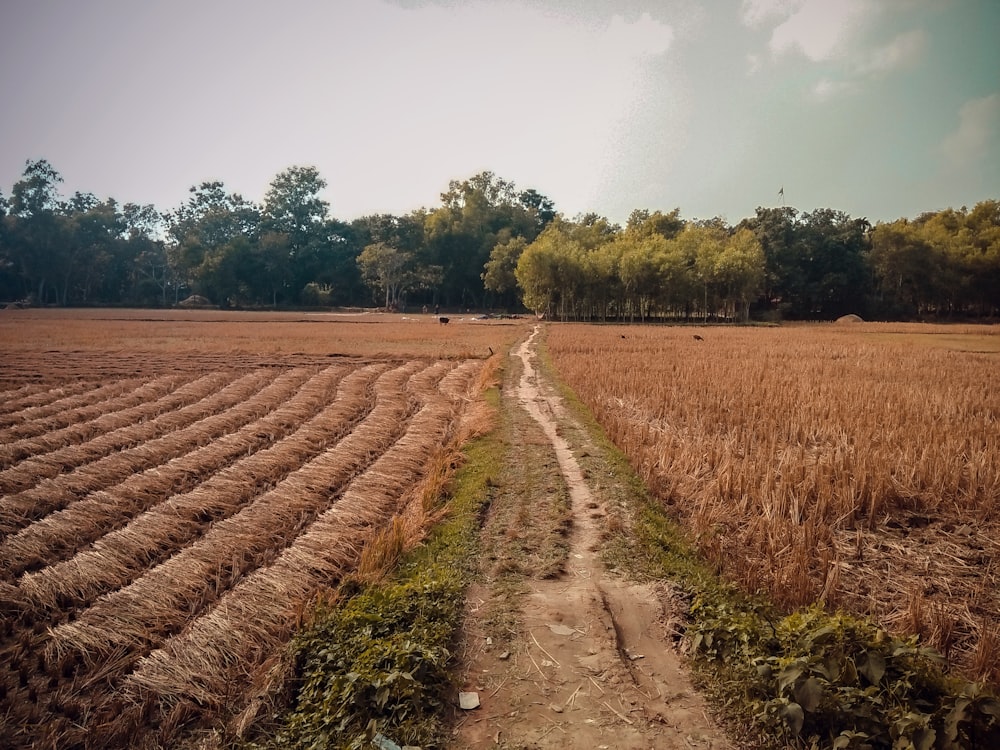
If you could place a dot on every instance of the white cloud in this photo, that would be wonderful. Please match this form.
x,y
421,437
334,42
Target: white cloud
x,y
903,51
977,134
819,29
754,64
757,12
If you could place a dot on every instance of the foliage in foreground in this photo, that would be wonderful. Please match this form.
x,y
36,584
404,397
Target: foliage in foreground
x,y
828,680
376,661
377,664
813,679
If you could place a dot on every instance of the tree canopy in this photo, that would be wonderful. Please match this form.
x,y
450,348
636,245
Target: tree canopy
x,y
490,245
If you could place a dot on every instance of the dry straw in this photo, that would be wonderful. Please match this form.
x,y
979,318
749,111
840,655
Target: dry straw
x,y
166,596
200,449
237,637
112,432
182,599
859,469
52,494
66,398
75,425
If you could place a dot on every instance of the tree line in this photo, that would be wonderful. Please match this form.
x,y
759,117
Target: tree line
x,y
490,246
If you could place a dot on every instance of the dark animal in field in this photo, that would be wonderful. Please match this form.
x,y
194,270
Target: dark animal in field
x,y
698,338
443,320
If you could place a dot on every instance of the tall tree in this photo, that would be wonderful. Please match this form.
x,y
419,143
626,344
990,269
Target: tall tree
x,y
300,234
91,254
548,269
835,247
202,230
777,230
36,229
499,275
541,208
739,271
475,216
389,271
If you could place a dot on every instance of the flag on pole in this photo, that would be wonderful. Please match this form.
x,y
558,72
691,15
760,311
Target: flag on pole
x,y
782,191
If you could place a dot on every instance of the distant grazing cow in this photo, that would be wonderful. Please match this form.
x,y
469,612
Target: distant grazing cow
x,y
442,320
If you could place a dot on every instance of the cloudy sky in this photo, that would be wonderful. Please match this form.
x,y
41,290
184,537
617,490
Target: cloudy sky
x,y
880,108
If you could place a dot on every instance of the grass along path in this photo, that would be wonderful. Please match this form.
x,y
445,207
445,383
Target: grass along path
x,y
561,651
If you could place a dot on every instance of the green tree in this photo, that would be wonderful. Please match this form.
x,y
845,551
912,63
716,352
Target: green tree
x,y
153,279
36,229
834,264
202,231
92,257
499,276
387,270
301,237
982,258
904,265
777,230
475,216
542,209
639,271
642,223
739,271
548,271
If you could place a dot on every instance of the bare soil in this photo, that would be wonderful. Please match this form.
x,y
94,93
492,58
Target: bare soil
x,y
560,651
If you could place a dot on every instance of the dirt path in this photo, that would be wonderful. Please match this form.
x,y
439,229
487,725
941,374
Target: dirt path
x,y
584,660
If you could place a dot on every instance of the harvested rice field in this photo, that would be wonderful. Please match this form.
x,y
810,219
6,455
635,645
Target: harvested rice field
x,y
177,486
851,466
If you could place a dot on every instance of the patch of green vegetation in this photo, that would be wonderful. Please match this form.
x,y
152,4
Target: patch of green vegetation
x,y
810,679
374,665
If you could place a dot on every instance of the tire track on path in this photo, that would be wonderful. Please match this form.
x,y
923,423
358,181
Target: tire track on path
x,y
590,666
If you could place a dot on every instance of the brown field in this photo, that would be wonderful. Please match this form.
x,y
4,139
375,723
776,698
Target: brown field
x,y
855,466
175,487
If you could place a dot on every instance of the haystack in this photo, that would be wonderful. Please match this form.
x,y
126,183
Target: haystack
x,y
196,302
852,318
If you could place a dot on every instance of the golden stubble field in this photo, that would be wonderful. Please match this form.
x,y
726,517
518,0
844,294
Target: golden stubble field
x,y
856,466
175,487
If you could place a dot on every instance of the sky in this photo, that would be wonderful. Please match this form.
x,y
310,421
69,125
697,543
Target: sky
x,y
879,108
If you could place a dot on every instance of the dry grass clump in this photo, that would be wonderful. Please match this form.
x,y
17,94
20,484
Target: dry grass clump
x,y
855,466
118,556
234,428
127,452
239,635
40,457
153,605
56,401
73,424
17,398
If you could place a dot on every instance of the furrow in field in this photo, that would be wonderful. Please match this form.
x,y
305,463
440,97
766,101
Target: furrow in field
x,y
36,394
143,423
139,616
61,401
22,646
72,426
52,494
253,620
236,432
120,556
